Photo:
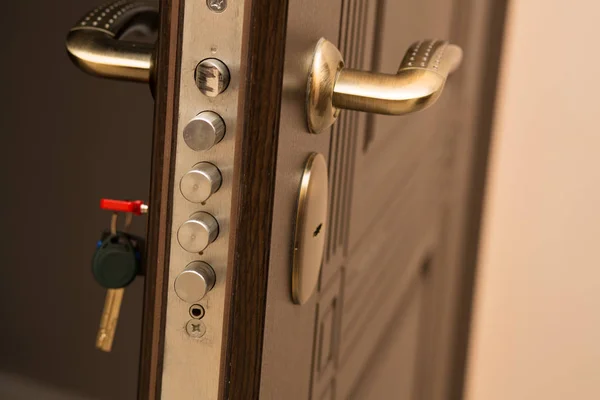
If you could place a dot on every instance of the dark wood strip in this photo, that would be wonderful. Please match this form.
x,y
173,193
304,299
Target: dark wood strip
x,y
255,165
166,87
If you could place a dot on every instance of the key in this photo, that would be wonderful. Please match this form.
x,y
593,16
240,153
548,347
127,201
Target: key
x,y
115,265
109,319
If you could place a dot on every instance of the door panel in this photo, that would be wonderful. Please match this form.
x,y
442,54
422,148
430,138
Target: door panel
x,y
398,173
292,373
390,197
391,372
391,147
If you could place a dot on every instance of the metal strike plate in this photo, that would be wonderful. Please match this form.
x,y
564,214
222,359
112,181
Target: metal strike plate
x,y
193,350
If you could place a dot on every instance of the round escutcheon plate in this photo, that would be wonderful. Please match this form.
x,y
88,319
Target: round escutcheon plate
x,y
311,219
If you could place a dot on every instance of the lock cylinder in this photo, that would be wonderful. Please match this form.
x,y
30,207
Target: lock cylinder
x,y
198,232
195,282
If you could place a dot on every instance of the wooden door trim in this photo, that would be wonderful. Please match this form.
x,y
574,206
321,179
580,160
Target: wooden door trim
x,y
166,88
255,167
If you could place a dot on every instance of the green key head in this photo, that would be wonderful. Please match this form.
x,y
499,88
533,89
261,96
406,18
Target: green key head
x,y
115,264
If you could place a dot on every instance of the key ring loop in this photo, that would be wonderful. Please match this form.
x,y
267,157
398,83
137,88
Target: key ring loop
x,y
114,219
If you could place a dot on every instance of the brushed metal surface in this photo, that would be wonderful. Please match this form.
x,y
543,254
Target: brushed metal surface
x,y
201,182
204,131
195,329
191,366
195,282
195,234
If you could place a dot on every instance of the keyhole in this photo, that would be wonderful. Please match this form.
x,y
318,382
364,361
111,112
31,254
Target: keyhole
x,y
318,230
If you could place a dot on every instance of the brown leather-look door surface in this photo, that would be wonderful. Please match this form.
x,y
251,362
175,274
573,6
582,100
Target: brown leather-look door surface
x,y
390,314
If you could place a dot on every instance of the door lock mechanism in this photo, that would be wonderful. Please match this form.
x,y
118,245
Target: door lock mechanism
x,y
417,84
99,44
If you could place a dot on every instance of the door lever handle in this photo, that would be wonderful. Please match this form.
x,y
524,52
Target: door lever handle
x,y
96,43
417,84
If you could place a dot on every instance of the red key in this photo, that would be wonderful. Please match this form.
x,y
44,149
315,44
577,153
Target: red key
x,y
136,207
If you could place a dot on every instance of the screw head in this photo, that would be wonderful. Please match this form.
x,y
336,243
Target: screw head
x,y
217,6
195,328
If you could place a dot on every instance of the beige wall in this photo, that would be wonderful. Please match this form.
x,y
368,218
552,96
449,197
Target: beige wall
x,y
536,328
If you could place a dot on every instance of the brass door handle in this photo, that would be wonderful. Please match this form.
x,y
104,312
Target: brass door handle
x,y
417,84
96,45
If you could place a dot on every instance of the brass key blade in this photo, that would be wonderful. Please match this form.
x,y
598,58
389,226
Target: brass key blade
x,y
109,319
